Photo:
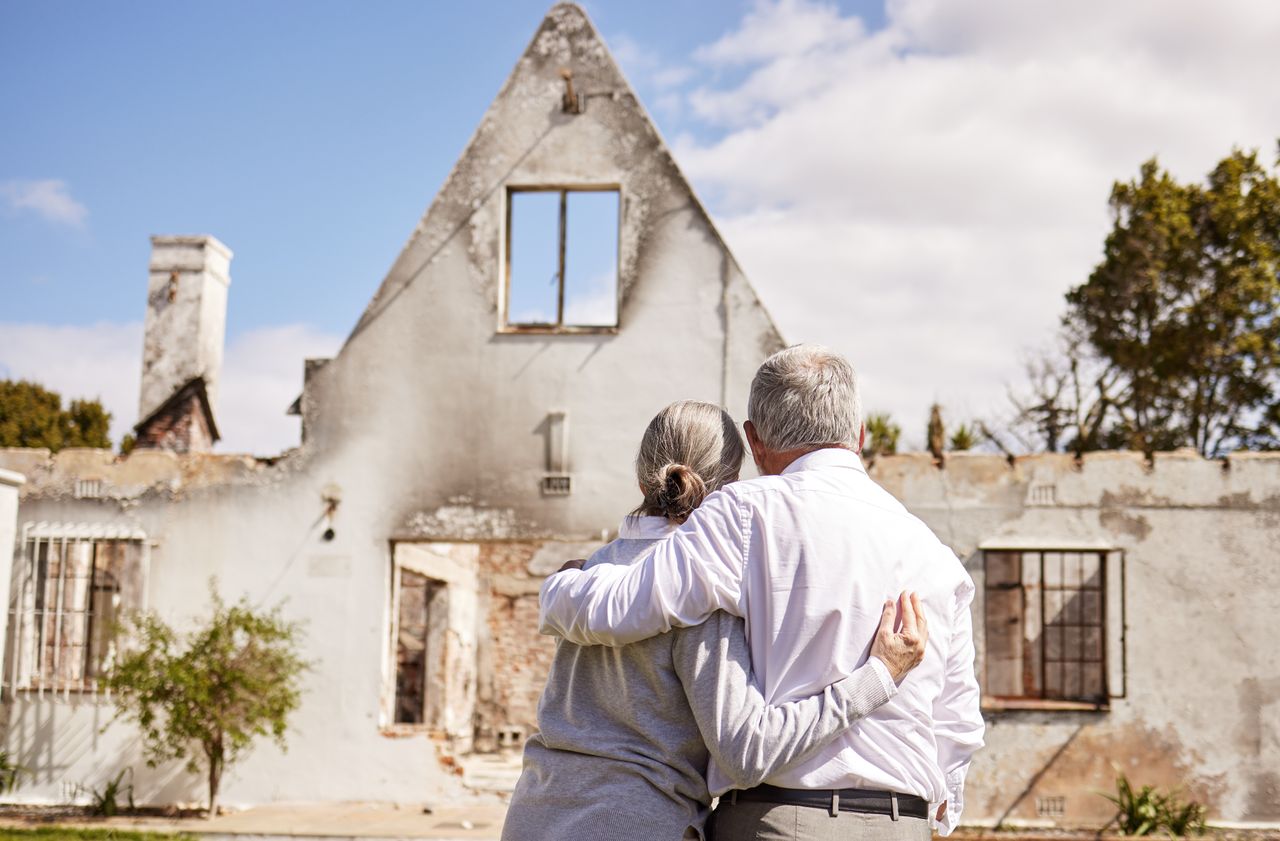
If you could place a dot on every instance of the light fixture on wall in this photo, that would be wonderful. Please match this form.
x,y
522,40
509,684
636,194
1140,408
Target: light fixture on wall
x,y
332,495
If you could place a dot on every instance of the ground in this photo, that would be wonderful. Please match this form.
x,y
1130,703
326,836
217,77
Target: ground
x,y
330,822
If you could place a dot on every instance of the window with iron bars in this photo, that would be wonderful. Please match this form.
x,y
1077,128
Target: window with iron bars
x,y
73,587
1054,628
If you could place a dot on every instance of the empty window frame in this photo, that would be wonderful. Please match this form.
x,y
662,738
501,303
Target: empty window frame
x,y
72,589
1054,626
562,259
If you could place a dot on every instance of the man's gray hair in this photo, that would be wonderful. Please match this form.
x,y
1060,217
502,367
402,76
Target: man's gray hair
x,y
805,396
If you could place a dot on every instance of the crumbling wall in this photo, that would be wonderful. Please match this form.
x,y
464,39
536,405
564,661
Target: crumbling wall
x,y
1200,708
516,658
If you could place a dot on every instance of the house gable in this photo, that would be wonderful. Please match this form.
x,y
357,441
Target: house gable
x,y
475,408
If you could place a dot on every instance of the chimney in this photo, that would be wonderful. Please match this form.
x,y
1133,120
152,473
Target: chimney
x,y
182,349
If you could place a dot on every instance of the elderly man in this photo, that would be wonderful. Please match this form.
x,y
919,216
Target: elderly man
x,y
807,554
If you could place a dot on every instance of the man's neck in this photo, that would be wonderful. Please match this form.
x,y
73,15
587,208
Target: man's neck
x,y
774,463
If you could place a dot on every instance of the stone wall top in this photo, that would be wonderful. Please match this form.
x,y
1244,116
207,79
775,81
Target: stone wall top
x,y
86,472
1181,478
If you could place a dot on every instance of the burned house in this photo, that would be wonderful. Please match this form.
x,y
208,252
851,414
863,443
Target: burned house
x,y
477,429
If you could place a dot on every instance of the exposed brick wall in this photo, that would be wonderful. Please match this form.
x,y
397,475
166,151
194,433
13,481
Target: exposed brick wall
x,y
180,428
520,657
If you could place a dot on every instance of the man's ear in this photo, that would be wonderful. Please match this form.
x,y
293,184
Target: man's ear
x,y
862,438
753,442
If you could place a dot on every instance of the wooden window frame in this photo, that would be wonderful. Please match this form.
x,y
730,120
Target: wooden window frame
x,y
1112,664
558,327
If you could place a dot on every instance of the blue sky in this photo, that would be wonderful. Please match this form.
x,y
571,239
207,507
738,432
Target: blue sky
x,y
308,136
913,182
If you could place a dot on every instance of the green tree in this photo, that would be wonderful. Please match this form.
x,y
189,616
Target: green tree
x,y
882,435
32,416
1182,312
206,696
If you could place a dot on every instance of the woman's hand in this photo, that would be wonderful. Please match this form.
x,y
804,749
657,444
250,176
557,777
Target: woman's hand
x,y
901,650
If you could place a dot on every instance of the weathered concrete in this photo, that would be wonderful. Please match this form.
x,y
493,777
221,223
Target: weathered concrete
x,y
10,482
1202,698
186,317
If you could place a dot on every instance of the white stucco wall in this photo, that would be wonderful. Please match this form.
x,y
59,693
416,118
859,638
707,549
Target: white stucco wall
x,y
10,482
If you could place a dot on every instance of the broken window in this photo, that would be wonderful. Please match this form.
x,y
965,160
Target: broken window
x,y
1054,626
73,588
562,259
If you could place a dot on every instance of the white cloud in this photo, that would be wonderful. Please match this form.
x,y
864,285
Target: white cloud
x,y
50,199
261,375
921,196
94,361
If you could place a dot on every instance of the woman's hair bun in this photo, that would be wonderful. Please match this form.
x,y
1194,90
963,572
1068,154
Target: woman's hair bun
x,y
679,490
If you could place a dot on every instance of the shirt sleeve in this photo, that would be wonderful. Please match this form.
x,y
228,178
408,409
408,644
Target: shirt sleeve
x,y
750,740
957,713
687,577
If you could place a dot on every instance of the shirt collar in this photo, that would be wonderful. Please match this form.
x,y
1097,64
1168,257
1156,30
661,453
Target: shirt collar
x,y
824,458
638,527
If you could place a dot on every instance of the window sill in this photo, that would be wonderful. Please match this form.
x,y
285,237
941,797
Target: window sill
x,y
553,330
403,731
991,704
60,690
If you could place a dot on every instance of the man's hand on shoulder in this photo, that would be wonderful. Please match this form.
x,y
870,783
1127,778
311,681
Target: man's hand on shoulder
x,y
901,637
574,564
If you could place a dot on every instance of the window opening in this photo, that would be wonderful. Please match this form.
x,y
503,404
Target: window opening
x,y
1046,625
72,590
562,259
420,609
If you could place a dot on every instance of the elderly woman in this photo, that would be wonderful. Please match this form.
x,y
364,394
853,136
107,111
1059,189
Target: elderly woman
x,y
634,742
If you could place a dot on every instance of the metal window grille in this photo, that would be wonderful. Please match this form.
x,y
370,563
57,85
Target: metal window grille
x,y
1054,625
71,587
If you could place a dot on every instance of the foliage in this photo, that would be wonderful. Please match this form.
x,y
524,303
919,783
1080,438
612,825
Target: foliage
x,y
1173,340
1147,809
1184,818
32,416
206,696
68,833
10,772
106,800
882,435
964,437
936,433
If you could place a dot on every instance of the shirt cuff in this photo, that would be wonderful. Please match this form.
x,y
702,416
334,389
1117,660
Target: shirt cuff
x,y
864,691
954,801
882,671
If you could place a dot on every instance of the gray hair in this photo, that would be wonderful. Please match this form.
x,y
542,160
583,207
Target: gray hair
x,y
805,396
689,450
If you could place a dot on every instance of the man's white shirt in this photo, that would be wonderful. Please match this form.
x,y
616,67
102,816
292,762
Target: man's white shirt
x,y
808,559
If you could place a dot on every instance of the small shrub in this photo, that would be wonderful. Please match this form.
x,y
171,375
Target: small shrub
x,y
1184,818
206,696
106,800
1146,810
10,772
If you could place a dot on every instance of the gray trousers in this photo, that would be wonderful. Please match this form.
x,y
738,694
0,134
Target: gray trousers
x,y
780,822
